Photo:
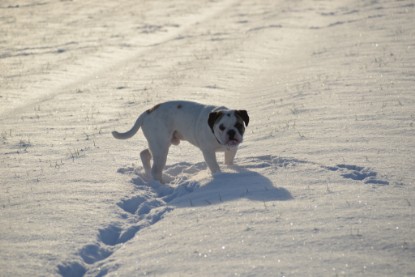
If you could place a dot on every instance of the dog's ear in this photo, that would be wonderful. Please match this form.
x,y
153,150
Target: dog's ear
x,y
213,116
244,115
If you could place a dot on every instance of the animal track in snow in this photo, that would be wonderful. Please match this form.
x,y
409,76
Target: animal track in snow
x,y
110,235
348,171
358,173
71,269
131,205
94,252
145,208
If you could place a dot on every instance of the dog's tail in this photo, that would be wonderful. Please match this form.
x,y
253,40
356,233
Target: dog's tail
x,y
132,131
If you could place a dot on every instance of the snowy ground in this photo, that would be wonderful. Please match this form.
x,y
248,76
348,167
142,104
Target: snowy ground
x,y
325,179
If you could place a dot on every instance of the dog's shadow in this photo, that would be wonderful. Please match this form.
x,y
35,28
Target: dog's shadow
x,y
184,188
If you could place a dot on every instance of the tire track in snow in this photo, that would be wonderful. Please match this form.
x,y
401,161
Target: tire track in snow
x,y
118,59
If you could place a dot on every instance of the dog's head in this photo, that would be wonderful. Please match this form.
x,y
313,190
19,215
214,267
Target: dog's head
x,y
229,126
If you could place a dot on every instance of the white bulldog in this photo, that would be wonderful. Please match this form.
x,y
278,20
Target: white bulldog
x,y
210,128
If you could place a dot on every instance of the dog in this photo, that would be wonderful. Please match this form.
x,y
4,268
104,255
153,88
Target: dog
x,y
210,128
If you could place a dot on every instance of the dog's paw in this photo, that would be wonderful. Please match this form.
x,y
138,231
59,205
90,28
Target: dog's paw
x,y
217,174
161,189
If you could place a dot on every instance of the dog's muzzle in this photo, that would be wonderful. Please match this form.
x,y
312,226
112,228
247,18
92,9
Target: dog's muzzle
x,y
232,141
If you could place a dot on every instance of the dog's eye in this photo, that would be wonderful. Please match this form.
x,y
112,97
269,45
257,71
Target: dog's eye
x,y
221,127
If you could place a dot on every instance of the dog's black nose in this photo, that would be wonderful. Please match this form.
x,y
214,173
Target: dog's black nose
x,y
231,134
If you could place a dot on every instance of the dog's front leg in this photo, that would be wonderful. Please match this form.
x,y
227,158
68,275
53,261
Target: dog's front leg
x,y
230,155
210,159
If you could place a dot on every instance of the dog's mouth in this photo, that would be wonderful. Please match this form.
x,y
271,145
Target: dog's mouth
x,y
233,142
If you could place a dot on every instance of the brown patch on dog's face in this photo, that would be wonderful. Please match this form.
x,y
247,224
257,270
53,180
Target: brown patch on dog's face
x,y
243,114
153,108
213,117
239,126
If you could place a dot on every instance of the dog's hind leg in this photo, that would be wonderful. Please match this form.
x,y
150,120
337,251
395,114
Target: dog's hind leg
x,y
145,159
159,161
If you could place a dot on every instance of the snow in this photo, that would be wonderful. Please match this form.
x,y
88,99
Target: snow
x,y
323,183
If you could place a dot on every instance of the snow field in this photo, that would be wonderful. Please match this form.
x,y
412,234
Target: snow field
x,y
324,180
